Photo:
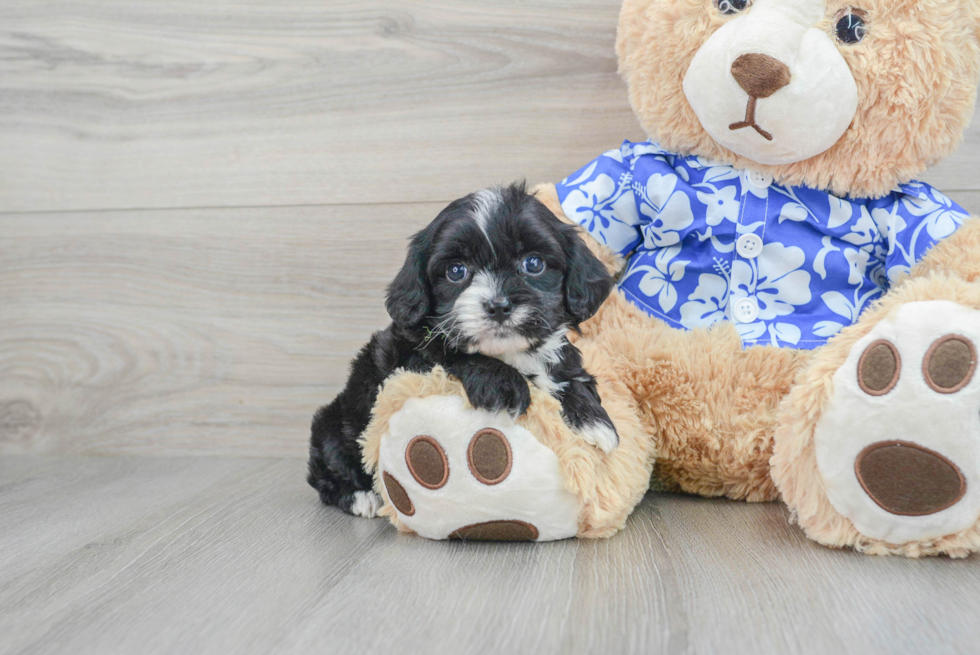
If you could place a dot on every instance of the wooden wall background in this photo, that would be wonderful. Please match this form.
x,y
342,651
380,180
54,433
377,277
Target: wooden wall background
x,y
201,202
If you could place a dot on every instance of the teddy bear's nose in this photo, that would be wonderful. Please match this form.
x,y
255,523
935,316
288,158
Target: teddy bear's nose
x,y
760,75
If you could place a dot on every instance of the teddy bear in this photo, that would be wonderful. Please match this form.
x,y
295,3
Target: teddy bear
x,y
795,317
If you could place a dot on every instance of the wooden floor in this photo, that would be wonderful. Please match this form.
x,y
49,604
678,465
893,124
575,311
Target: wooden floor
x,y
220,555
200,206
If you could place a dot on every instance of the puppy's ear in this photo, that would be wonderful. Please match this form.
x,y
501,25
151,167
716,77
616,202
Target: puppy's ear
x,y
408,294
587,283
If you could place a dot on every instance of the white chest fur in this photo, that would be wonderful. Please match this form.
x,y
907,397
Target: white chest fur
x,y
535,364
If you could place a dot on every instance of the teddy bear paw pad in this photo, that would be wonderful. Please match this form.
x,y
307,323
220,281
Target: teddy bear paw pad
x,y
455,472
899,445
497,531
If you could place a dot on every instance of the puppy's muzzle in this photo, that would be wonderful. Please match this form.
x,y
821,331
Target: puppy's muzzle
x,y
499,309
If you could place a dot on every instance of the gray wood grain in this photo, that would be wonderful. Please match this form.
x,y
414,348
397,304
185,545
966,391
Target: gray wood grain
x,y
109,104
193,331
204,555
149,104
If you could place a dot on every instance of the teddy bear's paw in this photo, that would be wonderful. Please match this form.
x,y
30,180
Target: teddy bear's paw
x,y
454,472
899,445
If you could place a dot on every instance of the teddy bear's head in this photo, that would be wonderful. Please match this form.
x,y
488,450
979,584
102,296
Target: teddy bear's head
x,y
851,96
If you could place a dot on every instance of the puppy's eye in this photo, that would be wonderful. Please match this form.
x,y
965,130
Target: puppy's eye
x,y
456,272
851,26
729,7
534,265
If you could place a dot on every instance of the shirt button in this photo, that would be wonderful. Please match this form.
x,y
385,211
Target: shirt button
x,y
759,179
746,310
749,246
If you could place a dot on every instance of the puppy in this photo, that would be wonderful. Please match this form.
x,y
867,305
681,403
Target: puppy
x,y
488,291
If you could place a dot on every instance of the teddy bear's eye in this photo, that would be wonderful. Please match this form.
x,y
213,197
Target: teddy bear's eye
x,y
729,7
850,26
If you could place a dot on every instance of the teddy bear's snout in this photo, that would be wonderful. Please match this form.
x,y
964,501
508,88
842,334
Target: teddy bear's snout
x,y
760,75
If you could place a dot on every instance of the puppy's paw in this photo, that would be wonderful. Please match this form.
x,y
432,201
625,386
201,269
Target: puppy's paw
x,y
517,396
366,504
504,392
601,435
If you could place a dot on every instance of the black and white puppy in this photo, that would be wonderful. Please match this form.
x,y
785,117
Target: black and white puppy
x,y
488,291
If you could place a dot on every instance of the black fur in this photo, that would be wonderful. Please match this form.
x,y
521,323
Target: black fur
x,y
437,321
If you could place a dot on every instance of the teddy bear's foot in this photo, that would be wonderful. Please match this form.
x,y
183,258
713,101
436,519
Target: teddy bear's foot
x,y
454,472
898,446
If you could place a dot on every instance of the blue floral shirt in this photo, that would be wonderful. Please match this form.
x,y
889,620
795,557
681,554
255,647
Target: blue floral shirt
x,y
790,266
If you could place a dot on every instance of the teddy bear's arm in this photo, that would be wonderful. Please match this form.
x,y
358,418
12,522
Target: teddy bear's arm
x,y
958,254
919,224
613,261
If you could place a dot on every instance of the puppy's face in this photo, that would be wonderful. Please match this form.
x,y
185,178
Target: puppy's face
x,y
495,273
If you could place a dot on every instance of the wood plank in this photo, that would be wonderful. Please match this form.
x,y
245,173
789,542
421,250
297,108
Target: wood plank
x,y
155,104
960,172
186,104
220,555
191,331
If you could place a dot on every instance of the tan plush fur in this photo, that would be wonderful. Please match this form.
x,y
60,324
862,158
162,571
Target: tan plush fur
x,y
708,405
916,72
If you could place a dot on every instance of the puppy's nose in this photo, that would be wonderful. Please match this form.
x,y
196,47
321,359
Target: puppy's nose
x,y
760,75
499,309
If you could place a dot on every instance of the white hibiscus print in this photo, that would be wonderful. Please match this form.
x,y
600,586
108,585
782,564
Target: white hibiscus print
x,y
779,333
708,304
857,262
607,210
820,261
940,218
774,279
827,329
668,210
874,233
890,225
864,230
876,230
865,233
721,205
658,280
840,212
